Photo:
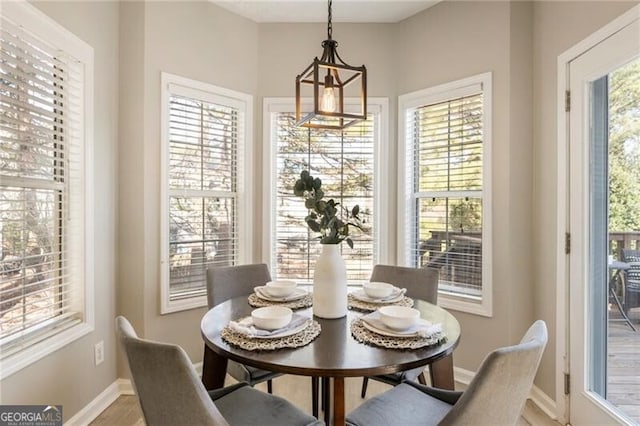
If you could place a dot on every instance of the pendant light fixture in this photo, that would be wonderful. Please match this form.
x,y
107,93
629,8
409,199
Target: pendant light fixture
x,y
327,80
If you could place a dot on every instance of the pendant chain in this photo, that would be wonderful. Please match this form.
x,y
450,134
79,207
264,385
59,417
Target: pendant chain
x,y
329,24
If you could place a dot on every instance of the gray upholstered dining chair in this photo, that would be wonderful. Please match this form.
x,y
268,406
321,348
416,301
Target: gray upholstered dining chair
x,y
170,392
227,282
495,396
421,283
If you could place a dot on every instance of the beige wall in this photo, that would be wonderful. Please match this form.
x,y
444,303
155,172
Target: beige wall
x,y
454,40
195,40
519,42
68,376
557,27
520,283
130,276
131,185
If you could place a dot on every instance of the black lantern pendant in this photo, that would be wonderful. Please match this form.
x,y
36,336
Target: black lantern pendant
x,y
328,78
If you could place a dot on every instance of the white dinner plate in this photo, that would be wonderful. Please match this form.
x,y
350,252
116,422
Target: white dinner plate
x,y
263,293
383,330
396,296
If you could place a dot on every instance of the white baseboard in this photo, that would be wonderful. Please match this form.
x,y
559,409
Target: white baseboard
x,y
93,409
100,403
537,396
544,402
125,387
463,376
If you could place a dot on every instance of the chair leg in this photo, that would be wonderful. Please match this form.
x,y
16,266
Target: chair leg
x,y
314,395
269,386
326,395
421,379
365,382
322,391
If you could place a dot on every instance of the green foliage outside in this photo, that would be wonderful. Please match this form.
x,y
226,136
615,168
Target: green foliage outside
x,y
449,153
466,216
624,148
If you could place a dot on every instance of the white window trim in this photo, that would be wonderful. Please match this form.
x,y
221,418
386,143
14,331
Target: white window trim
x,y
42,26
382,186
435,94
173,84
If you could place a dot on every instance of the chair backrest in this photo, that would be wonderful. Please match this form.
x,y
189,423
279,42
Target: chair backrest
x,y
166,383
498,392
227,282
421,283
632,257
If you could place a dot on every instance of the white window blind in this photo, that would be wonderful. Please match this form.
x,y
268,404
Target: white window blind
x,y
345,162
202,185
445,145
204,135
42,183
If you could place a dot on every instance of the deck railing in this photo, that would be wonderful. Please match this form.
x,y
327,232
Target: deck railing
x,y
619,240
458,257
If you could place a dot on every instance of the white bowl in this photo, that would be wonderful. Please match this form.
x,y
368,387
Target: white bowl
x,y
377,290
398,317
281,288
271,317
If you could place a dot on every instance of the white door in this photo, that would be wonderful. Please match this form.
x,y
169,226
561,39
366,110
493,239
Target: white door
x,y
589,309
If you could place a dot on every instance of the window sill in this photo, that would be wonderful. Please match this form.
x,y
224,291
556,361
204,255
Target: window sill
x,y
35,352
186,304
468,304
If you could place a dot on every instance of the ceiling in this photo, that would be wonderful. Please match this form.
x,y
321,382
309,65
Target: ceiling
x,y
380,11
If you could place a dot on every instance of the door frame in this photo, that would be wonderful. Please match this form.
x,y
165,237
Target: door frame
x,y
562,214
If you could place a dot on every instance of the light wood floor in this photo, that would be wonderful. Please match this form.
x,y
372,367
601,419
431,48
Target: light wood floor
x,y
126,412
623,364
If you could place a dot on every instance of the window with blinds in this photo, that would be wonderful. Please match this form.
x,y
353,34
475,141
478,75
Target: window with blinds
x,y
345,161
445,144
204,134
42,182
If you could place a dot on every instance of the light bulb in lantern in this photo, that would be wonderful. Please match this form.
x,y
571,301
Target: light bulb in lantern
x,y
328,101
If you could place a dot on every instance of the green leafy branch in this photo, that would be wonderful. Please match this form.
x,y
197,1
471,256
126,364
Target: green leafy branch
x,y
323,217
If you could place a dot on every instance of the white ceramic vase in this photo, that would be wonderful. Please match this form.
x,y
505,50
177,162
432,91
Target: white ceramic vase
x,y
330,284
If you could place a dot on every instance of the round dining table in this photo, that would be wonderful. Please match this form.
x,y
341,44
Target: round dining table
x,y
334,354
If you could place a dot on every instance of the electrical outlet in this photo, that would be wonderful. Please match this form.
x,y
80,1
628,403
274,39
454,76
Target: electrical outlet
x,y
98,352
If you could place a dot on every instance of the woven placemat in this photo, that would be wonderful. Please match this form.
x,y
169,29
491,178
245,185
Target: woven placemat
x,y
302,338
362,306
364,335
303,302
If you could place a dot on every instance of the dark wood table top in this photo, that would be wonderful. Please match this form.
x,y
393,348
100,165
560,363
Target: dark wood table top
x,y
334,353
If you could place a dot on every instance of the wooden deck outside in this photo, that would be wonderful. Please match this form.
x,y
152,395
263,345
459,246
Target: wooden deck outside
x,y
623,374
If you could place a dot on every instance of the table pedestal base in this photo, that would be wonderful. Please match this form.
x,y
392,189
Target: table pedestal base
x,y
441,373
